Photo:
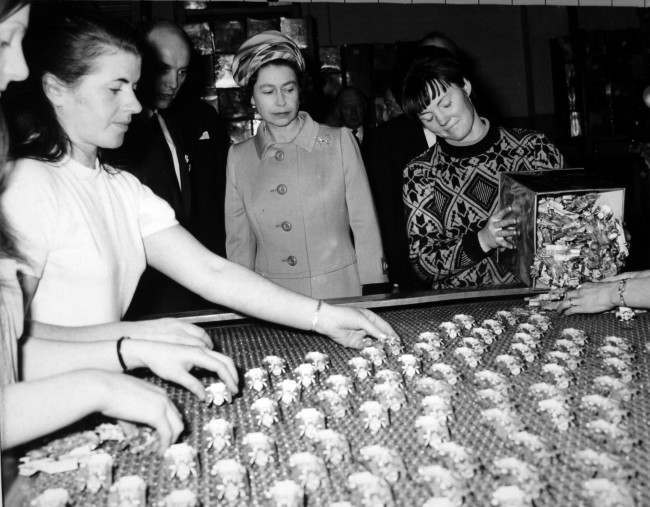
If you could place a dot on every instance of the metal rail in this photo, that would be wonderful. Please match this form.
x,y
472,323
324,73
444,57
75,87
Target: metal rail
x,y
374,301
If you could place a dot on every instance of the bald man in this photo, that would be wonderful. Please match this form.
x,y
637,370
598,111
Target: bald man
x,y
177,146
171,49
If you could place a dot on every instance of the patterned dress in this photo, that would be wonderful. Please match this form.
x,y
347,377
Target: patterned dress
x,y
450,192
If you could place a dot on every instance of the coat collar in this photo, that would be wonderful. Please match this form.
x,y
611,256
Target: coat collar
x,y
305,139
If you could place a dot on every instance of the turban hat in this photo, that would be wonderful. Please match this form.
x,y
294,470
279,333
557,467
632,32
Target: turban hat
x,y
263,48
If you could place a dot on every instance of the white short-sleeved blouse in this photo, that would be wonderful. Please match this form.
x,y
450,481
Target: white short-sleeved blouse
x,y
81,232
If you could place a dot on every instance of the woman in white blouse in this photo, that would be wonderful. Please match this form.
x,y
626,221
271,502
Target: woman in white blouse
x,y
86,230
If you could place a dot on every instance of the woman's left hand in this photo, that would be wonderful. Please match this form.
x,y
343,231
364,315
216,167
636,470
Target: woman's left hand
x,y
350,326
173,362
168,330
590,298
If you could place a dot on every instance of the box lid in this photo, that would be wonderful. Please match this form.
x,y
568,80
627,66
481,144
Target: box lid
x,y
562,181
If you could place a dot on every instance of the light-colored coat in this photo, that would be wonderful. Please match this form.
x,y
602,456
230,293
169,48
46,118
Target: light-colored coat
x,y
290,207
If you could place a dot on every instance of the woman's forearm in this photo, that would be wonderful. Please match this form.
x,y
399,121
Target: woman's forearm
x,y
43,358
33,409
108,331
178,255
247,292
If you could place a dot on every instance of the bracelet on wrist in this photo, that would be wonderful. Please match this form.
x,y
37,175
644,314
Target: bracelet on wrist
x,y
314,320
622,284
119,352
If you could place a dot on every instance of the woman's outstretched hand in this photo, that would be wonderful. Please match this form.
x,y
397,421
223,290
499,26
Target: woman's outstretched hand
x,y
592,297
351,326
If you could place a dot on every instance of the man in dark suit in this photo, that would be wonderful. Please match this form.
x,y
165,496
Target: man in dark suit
x,y
387,150
179,151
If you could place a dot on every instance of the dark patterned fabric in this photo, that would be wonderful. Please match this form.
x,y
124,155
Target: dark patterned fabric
x,y
450,192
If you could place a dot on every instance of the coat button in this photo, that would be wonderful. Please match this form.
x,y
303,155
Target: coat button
x,y
286,226
279,156
291,260
281,189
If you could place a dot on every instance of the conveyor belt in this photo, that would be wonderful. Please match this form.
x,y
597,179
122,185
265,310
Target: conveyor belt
x,y
248,344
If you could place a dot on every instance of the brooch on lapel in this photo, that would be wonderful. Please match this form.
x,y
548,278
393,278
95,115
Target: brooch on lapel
x,y
323,139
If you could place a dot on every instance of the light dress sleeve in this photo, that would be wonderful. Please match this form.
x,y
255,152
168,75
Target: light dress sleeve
x,y
31,208
154,213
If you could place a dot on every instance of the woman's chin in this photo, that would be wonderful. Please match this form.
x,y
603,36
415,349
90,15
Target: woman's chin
x,y
280,121
113,143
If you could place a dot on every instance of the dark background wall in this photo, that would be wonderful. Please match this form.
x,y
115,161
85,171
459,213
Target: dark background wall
x,y
510,45
493,35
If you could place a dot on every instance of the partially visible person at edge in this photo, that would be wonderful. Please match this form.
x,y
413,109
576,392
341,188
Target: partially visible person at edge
x,y
450,191
62,381
86,230
296,190
631,289
177,146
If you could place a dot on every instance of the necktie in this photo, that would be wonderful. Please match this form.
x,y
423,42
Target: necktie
x,y
182,174
356,134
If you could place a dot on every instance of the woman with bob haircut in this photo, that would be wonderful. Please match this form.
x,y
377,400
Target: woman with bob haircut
x,y
450,191
297,189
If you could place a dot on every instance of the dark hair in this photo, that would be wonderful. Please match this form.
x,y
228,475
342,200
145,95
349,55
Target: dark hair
x,y
427,79
7,243
280,62
407,54
66,48
8,7
443,42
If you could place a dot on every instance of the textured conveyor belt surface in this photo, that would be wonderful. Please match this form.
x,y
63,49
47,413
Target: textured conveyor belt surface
x,y
561,476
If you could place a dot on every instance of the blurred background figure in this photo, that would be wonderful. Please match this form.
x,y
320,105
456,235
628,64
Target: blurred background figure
x,y
351,111
439,40
386,106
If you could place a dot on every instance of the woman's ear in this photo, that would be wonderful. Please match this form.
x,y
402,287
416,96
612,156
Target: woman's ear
x,y
467,86
53,88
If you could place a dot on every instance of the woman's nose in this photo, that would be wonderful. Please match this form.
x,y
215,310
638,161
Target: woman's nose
x,y
442,118
19,69
134,104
